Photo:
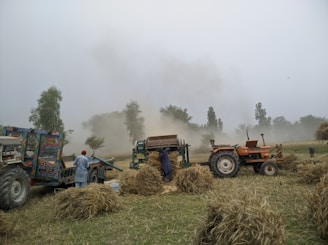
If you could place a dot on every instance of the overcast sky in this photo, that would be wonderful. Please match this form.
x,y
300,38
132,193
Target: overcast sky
x,y
229,54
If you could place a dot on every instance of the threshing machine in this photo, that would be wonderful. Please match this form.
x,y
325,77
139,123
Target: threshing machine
x,y
140,152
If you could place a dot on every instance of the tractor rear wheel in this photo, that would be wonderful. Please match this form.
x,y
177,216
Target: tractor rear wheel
x,y
14,188
269,168
225,164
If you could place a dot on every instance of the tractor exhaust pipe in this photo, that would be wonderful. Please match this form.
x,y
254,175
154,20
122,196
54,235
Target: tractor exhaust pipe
x,y
262,135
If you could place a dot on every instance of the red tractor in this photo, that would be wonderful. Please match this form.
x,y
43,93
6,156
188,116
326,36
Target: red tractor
x,y
225,160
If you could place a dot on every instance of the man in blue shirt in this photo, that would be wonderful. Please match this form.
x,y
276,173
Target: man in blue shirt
x,y
166,163
81,173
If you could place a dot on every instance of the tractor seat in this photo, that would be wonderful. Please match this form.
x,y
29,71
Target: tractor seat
x,y
251,143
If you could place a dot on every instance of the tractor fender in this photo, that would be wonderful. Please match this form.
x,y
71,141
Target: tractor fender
x,y
222,149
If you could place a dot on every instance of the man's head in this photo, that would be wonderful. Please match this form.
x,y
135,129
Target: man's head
x,y
84,152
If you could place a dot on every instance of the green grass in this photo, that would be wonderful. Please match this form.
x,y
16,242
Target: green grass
x,y
303,148
161,219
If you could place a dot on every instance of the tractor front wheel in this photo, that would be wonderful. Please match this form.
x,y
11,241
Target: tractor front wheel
x,y
269,168
225,164
14,188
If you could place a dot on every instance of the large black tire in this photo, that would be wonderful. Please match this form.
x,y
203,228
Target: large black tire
x,y
269,168
225,164
14,188
93,177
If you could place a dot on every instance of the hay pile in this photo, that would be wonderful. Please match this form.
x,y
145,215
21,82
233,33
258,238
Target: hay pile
x,y
293,163
323,158
241,220
153,160
149,181
86,203
5,225
128,182
194,180
311,173
318,206
290,163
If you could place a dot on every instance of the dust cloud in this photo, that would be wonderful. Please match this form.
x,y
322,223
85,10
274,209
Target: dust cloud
x,y
112,128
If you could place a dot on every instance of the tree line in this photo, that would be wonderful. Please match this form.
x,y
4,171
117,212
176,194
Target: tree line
x,y
130,124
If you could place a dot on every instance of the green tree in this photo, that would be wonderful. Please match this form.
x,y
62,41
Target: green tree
x,y
282,129
280,123
176,113
220,125
322,132
306,127
47,115
212,121
311,122
66,134
213,124
260,116
133,121
94,143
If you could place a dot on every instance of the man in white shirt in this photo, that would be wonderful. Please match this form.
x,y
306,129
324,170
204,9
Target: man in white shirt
x,y
81,173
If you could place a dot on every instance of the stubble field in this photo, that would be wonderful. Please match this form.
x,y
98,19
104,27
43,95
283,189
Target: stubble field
x,y
170,218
